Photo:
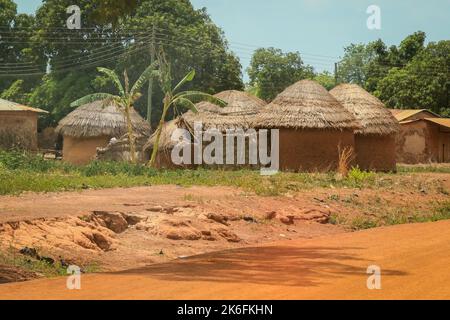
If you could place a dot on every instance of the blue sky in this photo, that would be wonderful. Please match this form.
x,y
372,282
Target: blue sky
x,y
319,29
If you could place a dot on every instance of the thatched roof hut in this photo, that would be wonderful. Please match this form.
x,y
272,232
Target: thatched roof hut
x,y
92,126
373,115
18,125
100,118
166,144
375,140
305,105
239,113
313,127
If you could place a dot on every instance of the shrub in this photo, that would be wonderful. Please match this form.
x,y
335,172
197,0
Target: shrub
x,y
357,177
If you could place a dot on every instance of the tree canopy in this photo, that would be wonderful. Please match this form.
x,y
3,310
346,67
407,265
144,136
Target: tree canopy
x,y
46,65
55,65
271,71
411,75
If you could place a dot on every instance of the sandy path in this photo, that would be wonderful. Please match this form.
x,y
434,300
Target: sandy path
x,y
414,260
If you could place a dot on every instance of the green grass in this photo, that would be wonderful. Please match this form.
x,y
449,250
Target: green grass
x,y
395,216
424,169
20,172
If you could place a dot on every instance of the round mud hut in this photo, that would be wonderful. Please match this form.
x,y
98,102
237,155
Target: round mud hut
x,y
313,127
166,144
92,126
375,140
239,113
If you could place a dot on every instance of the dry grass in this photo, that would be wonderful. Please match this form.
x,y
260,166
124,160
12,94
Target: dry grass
x,y
346,157
374,117
306,105
100,118
240,112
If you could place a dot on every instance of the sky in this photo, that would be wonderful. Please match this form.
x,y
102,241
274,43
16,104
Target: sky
x,y
318,29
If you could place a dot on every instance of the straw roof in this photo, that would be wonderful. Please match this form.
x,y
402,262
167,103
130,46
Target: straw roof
x,y
165,142
305,105
6,105
239,113
100,118
373,115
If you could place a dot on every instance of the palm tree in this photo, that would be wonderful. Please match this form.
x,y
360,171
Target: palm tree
x,y
125,100
173,98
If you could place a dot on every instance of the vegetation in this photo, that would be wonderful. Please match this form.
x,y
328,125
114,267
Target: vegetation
x,y
125,100
394,216
271,71
21,172
410,75
173,98
190,39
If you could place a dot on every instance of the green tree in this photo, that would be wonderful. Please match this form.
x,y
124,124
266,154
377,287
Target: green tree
x,y
367,64
271,71
326,79
117,37
424,83
174,98
124,101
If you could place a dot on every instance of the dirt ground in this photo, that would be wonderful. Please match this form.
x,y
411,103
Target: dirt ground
x,y
122,229
118,229
413,260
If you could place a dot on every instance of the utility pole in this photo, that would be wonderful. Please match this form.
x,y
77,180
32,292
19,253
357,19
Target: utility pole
x,y
336,73
150,81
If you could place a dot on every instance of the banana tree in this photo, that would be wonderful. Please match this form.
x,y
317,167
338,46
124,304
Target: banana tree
x,y
124,100
174,98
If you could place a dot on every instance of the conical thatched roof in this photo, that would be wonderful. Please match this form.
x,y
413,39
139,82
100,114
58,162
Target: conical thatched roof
x,y
239,113
305,105
165,141
374,117
100,118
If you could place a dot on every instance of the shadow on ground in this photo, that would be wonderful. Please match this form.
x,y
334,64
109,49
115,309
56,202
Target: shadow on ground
x,y
276,265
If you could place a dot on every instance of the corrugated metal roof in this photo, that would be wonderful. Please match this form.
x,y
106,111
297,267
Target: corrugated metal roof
x,y
6,105
404,114
445,122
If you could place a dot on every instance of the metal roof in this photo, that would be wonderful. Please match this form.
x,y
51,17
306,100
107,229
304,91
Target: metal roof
x,y
445,122
404,114
6,105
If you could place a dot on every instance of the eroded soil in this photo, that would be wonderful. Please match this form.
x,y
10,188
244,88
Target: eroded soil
x,y
120,229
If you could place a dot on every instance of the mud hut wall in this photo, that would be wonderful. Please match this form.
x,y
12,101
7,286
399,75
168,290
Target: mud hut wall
x,y
81,151
18,129
312,150
418,142
376,153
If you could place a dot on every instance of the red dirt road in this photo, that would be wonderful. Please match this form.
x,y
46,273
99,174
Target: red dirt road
x,y
414,261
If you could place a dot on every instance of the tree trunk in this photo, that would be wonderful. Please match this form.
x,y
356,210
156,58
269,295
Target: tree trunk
x,y
131,138
158,133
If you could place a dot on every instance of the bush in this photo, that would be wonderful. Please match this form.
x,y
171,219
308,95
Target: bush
x,y
357,177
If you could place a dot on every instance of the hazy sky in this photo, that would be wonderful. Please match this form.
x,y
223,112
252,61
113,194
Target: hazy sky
x,y
319,29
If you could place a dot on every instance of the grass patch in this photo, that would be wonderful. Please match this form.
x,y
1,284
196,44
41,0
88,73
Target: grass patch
x,y
20,172
437,168
395,216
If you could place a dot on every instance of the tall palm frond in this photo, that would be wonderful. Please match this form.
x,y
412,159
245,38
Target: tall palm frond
x,y
94,97
113,76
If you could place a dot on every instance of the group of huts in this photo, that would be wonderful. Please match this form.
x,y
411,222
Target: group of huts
x,y
314,126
